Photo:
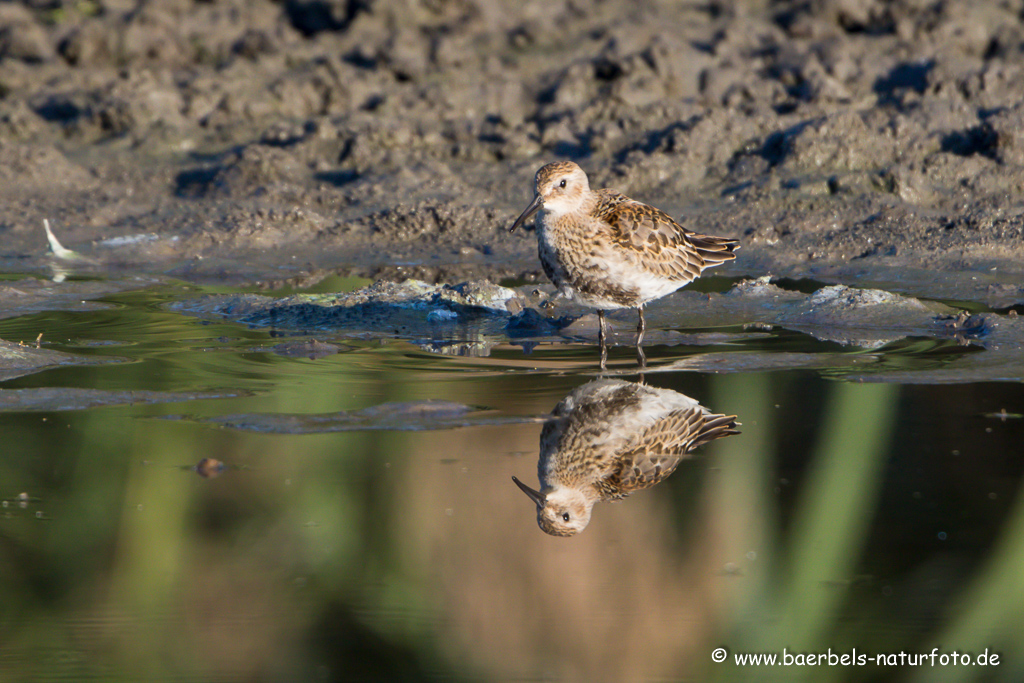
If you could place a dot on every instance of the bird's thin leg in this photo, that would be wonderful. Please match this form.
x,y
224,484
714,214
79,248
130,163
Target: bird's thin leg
x,y
601,338
641,327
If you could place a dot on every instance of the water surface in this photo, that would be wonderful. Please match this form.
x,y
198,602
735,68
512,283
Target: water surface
x,y
260,515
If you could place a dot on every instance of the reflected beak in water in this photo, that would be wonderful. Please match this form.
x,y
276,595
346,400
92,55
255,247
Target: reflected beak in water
x,y
536,496
525,215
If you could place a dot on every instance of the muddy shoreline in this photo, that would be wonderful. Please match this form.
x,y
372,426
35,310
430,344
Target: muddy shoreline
x,y
849,142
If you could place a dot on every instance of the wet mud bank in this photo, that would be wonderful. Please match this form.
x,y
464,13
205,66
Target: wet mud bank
x,y
849,142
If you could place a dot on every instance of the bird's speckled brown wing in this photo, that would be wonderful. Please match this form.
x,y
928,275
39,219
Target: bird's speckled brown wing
x,y
662,446
578,422
663,247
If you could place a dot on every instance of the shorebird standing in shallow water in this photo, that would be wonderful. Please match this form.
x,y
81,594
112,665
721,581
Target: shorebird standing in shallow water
x,y
608,251
609,438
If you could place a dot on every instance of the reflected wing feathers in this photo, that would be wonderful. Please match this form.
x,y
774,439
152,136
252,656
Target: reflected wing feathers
x,y
662,446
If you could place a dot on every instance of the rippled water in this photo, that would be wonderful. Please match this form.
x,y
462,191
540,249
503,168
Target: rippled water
x,y
212,506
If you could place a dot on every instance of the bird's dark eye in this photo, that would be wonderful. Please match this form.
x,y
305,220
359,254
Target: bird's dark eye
x,y
565,515
562,184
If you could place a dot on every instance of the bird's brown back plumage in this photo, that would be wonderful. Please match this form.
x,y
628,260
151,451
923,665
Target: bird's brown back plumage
x,y
660,244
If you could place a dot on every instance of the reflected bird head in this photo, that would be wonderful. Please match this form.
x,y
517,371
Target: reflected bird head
x,y
561,511
561,187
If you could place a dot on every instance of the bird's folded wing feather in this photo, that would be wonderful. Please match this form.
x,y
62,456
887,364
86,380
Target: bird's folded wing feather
x,y
662,246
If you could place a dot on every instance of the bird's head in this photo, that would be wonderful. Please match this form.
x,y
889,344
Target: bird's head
x,y
560,187
561,511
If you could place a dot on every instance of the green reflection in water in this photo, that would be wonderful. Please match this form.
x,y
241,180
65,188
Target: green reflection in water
x,y
799,595
410,556
831,521
987,617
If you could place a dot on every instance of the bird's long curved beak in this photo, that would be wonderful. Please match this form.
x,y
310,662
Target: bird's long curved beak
x,y
530,210
536,496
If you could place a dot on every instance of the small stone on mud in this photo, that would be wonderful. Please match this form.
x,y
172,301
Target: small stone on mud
x,y
441,315
759,287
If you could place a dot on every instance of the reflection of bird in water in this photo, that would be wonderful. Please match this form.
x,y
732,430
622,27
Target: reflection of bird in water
x,y
609,438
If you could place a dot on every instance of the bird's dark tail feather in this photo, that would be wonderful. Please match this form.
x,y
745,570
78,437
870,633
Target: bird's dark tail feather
x,y
714,250
715,427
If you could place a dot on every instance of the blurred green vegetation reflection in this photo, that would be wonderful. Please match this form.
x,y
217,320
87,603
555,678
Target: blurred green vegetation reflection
x,y
871,516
